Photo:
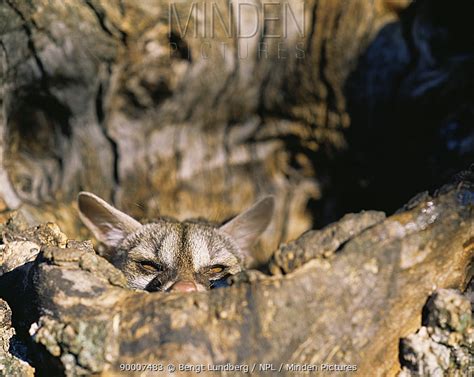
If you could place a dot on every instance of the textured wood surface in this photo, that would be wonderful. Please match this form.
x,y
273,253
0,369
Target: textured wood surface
x,y
349,305
93,99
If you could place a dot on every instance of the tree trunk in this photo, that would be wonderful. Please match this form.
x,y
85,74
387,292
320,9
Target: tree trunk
x,y
119,98
175,108
345,298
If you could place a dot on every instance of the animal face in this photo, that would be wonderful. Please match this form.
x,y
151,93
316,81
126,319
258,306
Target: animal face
x,y
169,255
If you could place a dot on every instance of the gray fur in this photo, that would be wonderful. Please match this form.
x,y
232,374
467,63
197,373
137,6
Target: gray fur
x,y
158,255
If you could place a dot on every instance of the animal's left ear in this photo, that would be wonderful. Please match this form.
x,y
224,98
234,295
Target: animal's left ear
x,y
247,227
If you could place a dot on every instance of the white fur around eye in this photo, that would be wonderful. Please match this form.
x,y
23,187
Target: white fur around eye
x,y
140,281
200,252
168,248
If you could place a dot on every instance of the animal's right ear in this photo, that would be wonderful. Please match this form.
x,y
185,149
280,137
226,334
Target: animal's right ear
x,y
107,223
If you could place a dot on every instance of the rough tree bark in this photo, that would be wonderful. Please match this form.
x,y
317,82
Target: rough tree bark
x,y
92,99
99,95
345,298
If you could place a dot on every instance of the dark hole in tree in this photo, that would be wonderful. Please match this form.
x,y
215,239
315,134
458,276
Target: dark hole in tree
x,y
38,133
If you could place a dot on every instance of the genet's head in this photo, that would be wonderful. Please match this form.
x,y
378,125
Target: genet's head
x,y
169,255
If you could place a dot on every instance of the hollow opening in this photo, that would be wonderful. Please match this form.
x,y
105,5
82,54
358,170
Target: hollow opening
x,y
38,135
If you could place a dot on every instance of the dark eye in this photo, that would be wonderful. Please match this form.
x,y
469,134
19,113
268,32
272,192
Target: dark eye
x,y
150,266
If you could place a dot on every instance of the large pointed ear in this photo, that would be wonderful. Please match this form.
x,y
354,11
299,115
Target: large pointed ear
x,y
108,224
249,225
